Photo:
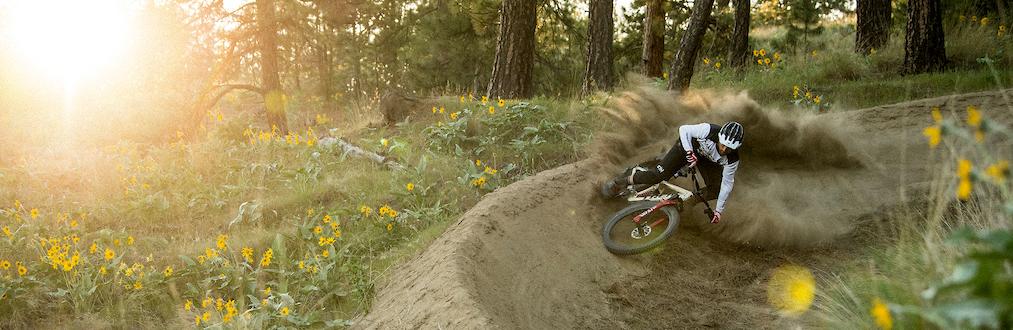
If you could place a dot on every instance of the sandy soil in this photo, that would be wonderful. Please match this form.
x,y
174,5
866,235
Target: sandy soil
x,y
529,255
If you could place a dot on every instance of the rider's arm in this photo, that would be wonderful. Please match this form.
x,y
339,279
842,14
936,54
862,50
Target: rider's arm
x,y
727,181
689,132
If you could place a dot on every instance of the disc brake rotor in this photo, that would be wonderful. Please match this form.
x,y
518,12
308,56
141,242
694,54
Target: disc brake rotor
x,y
641,232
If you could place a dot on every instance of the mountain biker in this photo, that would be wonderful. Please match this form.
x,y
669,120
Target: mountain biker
x,y
718,146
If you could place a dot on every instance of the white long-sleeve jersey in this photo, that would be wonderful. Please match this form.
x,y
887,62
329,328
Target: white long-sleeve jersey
x,y
706,137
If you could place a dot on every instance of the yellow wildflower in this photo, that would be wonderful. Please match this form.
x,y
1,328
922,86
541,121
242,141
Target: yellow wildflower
x,y
284,311
93,248
390,226
434,110
5,264
317,230
204,317
327,218
501,103
756,53
794,91
766,60
998,171
116,242
706,61
365,210
267,291
222,242
936,115
492,110
196,320
248,254
485,99
763,52
337,233
22,270
963,18
7,231
934,134
453,116
168,271
881,314
717,65
443,109
102,270
984,21
490,170
777,56
384,142
110,254
17,204
791,289
964,168
302,264
478,182
816,99
392,213
410,186
35,213
326,253
478,162
973,116
188,305
219,304
964,189
138,285
266,259
759,61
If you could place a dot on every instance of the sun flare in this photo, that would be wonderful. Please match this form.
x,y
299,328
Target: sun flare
x,y
66,39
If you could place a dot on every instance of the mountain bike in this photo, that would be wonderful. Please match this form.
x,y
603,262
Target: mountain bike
x,y
653,213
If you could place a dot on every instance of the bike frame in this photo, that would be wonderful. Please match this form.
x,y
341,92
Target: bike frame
x,y
680,196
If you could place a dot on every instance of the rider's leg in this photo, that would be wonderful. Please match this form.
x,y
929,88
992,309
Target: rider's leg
x,y
672,162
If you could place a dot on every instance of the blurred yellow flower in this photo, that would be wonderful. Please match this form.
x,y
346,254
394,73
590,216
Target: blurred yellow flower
x,y
5,264
964,167
478,182
934,133
34,213
759,61
7,232
485,99
706,61
130,240
284,311
434,110
327,218
777,56
763,52
326,253
998,171
453,116
110,254
138,285
756,52
881,315
717,65
766,61
964,189
963,18
501,103
937,116
478,162
205,317
384,142
22,271
390,226
188,305
492,110
973,116
490,170
168,271
365,210
984,21
410,186
816,99
443,109
791,289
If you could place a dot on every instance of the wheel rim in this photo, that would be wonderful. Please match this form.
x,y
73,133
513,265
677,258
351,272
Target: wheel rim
x,y
627,234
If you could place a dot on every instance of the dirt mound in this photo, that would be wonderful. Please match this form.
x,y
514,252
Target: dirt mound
x,y
529,255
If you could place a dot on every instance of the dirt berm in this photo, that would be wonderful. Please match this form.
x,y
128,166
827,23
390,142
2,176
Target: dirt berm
x,y
529,255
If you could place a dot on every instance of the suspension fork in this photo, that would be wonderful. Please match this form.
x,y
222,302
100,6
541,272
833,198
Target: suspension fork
x,y
662,203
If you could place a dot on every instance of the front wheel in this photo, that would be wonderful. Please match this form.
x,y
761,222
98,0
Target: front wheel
x,y
622,236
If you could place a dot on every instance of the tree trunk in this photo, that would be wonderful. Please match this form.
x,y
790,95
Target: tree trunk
x,y
325,70
924,48
515,51
873,26
738,53
689,46
274,96
598,73
654,38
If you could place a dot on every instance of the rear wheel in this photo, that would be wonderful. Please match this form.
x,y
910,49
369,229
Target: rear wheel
x,y
622,236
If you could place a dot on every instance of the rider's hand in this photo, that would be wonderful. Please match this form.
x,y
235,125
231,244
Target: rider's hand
x,y
691,158
717,217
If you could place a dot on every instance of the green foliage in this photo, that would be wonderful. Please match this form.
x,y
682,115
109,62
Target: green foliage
x,y
978,292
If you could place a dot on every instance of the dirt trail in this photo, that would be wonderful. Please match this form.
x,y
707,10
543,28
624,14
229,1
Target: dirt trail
x,y
529,255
